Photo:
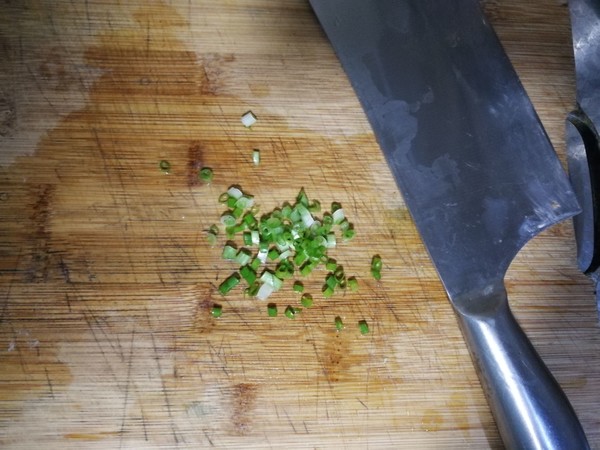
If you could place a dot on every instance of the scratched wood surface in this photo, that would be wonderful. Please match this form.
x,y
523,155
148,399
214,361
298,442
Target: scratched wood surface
x,y
106,278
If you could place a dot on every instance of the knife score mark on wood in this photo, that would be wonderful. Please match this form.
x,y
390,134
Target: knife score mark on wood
x,y
124,414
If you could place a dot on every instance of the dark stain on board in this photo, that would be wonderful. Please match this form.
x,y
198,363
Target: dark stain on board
x,y
194,163
8,115
335,359
243,402
203,320
56,72
213,72
41,210
40,258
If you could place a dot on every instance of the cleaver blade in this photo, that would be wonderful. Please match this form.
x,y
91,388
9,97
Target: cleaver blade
x,y
478,174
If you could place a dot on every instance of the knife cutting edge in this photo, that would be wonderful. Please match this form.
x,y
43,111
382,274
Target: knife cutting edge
x,y
478,174
583,143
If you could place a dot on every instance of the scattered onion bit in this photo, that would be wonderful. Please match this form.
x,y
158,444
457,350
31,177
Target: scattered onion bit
x,y
229,283
206,174
278,245
216,311
211,238
291,312
165,166
363,326
306,300
353,284
272,310
376,265
248,119
298,287
212,234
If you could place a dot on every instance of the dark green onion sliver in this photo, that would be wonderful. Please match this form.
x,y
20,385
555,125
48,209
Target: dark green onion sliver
x,y
363,326
165,166
216,311
206,174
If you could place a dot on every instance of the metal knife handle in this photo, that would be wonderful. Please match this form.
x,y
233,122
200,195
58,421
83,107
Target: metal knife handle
x,y
530,408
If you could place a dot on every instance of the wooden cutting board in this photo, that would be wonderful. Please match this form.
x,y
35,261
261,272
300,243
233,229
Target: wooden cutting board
x,y
107,280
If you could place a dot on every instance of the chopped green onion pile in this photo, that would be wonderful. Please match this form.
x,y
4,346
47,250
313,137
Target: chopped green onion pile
x,y
288,242
353,284
279,245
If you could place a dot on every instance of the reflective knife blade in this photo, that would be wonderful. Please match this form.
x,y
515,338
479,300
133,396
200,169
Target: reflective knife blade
x,y
478,174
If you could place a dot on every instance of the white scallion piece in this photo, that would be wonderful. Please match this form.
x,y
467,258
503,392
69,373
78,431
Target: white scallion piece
x,y
227,220
270,279
308,220
331,240
256,156
244,202
305,215
262,256
248,119
338,216
267,277
264,291
234,192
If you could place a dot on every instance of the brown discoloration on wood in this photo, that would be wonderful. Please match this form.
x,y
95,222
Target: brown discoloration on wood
x,y
243,400
90,436
40,259
203,320
214,68
336,358
55,71
194,163
8,114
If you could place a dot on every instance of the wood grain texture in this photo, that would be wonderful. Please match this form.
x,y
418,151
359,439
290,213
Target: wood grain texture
x,y
106,278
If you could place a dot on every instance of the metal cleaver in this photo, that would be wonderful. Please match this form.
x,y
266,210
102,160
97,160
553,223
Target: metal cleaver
x,y
583,141
478,174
